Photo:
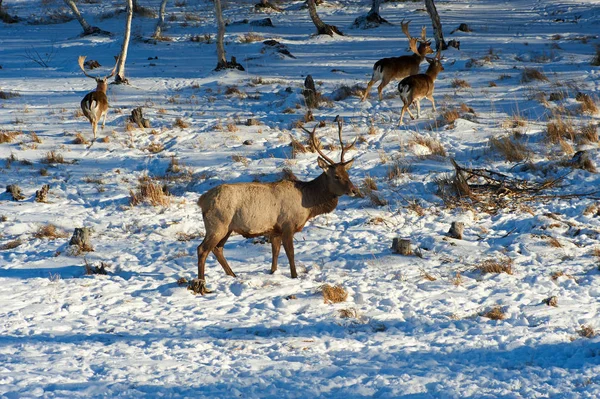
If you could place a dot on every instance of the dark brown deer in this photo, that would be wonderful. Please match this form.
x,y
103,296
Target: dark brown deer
x,y
416,87
395,68
276,210
95,104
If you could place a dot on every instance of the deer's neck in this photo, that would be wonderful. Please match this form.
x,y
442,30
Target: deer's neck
x,y
317,198
432,73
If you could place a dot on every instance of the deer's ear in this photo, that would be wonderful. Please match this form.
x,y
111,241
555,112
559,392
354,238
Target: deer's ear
x,y
322,163
348,164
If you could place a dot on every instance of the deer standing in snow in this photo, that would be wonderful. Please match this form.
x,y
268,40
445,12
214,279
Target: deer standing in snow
x,y
395,68
276,210
95,104
416,87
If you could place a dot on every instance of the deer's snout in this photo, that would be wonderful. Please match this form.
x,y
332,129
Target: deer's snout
x,y
353,190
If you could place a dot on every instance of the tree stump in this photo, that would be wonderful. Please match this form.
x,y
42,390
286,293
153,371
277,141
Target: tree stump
x,y
233,64
15,191
456,230
42,195
401,246
310,93
82,239
138,118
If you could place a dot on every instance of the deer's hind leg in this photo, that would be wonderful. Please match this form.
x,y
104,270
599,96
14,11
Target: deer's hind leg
x,y
218,251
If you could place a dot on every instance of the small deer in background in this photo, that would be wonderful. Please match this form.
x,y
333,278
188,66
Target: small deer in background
x,y
416,87
395,68
276,210
95,104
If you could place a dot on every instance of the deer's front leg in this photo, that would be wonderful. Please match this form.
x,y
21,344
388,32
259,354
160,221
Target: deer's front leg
x,y
288,245
275,248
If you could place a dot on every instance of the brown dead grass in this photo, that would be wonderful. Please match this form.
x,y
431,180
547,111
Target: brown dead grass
x,y
251,37
559,130
503,265
511,150
334,294
51,232
460,84
457,279
586,331
80,139
53,157
350,313
434,145
8,136
588,105
150,192
155,147
532,74
180,123
596,58
6,95
588,134
496,313
427,276
10,245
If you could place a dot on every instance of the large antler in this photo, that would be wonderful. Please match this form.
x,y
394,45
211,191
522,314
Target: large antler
x,y
316,145
81,60
412,41
344,148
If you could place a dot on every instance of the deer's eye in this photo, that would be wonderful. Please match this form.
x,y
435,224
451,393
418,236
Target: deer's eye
x,y
337,177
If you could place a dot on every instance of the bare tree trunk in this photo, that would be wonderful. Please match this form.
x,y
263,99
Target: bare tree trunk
x,y
221,58
440,44
322,27
87,28
120,76
161,20
372,19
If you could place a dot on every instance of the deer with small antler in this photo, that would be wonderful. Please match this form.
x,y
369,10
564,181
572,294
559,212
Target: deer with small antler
x,y
416,87
395,68
277,210
95,104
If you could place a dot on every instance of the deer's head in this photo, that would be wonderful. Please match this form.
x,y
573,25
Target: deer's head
x,y
101,82
338,180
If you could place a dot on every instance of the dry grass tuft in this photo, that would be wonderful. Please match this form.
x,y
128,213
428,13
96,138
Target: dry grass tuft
x,y
556,275
426,275
434,145
511,150
155,147
588,105
50,231
91,269
396,170
35,138
10,245
151,192
588,134
335,294
460,84
180,123
496,313
553,242
457,279
497,266
449,116
531,74
367,190
53,157
8,136
350,313
240,158
558,130
586,331
80,139
251,37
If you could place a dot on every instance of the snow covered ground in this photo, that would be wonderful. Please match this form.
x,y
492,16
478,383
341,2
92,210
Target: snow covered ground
x,y
412,326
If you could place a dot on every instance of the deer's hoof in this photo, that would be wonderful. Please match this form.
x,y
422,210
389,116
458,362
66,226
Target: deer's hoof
x,y
198,286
